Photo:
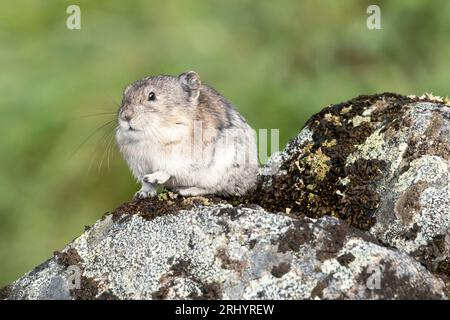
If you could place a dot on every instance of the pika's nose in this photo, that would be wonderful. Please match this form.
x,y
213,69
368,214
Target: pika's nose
x,y
126,114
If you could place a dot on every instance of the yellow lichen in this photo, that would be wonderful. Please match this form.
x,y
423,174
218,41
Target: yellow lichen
x,y
447,101
305,150
372,148
431,97
329,143
162,196
197,199
357,120
318,164
346,110
166,195
333,119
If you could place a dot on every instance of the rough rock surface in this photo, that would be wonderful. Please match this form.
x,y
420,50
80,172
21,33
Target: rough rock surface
x,y
370,174
231,253
381,163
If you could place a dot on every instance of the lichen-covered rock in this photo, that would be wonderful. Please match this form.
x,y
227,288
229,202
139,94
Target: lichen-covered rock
x,y
225,252
371,175
381,163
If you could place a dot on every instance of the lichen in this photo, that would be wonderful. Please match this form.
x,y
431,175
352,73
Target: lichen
x,y
334,119
429,96
5,292
317,163
165,203
346,110
329,143
372,148
358,120
262,256
317,180
196,200
209,249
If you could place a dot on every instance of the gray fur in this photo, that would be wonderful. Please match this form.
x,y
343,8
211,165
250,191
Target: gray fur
x,y
186,137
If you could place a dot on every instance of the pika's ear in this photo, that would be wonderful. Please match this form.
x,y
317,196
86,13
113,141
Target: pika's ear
x,y
190,81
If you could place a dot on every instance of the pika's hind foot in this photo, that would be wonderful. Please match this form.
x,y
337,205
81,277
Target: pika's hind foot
x,y
192,191
158,177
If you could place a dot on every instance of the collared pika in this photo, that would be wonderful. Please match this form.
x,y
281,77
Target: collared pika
x,y
182,134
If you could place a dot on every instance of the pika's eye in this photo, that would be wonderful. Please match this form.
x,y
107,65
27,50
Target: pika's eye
x,y
151,96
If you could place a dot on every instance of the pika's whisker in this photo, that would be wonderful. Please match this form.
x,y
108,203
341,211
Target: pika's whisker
x,y
106,139
97,115
110,146
90,136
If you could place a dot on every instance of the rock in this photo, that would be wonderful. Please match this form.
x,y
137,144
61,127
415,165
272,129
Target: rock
x,y
381,163
356,207
225,252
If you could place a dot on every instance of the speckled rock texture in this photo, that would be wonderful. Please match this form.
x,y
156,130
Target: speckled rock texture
x,y
221,252
357,206
380,163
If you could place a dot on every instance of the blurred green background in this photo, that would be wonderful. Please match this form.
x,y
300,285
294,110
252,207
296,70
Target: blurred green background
x,y
278,61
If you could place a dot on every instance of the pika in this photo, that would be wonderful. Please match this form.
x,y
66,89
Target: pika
x,y
177,132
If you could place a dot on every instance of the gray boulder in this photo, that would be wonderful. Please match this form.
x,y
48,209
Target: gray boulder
x,y
380,163
225,252
356,207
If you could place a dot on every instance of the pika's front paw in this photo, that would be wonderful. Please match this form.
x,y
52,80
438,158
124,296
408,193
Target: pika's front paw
x,y
158,177
144,194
